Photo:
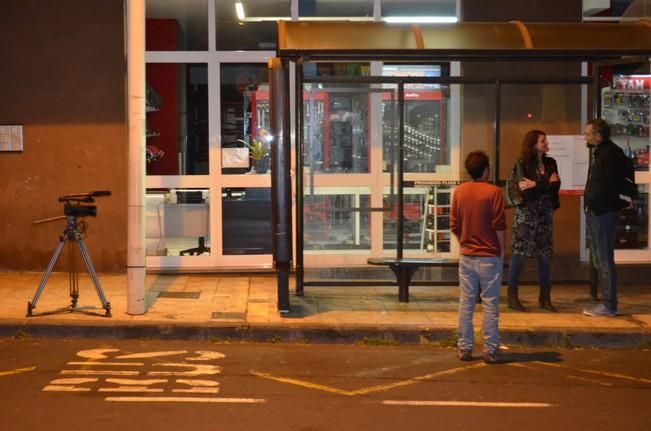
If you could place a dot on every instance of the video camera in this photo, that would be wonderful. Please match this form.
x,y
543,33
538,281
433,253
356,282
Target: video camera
x,y
75,204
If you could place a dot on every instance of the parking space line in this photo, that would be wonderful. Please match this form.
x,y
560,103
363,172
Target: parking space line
x,y
598,373
467,404
370,389
585,379
569,376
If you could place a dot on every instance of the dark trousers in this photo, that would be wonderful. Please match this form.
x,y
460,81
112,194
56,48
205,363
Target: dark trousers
x,y
515,267
601,234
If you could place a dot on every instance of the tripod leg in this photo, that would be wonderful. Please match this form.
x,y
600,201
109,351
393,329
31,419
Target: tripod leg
x,y
46,276
73,277
93,275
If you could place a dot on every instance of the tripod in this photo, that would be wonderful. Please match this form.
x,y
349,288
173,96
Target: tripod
x,y
71,235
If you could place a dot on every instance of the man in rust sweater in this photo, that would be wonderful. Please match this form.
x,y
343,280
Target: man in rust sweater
x,y
477,220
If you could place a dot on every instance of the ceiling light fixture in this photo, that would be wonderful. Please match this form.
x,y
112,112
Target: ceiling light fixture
x,y
421,19
239,10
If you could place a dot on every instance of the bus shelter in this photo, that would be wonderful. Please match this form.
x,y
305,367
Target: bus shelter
x,y
353,130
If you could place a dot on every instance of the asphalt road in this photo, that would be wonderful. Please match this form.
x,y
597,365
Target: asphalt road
x,y
186,385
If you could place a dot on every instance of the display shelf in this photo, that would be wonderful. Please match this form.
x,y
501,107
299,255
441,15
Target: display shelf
x,y
436,235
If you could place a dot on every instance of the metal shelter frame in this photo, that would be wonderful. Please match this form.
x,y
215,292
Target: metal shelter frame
x,y
296,46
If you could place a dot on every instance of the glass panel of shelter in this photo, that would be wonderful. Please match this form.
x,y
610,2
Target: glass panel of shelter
x,y
337,126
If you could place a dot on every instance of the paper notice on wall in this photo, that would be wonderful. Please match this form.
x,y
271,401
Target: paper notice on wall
x,y
572,157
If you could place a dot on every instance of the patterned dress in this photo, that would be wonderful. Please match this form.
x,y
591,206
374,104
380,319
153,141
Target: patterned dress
x,y
533,219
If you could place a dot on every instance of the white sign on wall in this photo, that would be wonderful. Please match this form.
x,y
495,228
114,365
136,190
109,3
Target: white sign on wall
x,y
11,138
572,157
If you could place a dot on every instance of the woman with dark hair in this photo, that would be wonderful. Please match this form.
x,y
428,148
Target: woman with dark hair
x,y
532,218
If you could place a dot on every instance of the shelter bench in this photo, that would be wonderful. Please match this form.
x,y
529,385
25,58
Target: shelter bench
x,y
405,268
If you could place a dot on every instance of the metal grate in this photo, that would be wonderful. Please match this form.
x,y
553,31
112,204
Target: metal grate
x,y
179,295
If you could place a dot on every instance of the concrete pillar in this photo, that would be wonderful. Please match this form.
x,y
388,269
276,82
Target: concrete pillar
x,y
136,99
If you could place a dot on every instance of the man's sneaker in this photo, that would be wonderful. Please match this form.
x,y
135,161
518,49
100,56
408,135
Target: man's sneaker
x,y
494,357
464,354
600,311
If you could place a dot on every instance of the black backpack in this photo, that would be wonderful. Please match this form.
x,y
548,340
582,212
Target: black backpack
x,y
627,187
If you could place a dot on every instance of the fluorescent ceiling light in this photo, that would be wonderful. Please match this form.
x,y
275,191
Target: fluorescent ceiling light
x,y
239,9
421,19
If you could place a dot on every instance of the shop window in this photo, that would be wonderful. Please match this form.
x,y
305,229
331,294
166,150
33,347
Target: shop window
x,y
629,9
625,106
177,25
327,8
427,147
336,128
177,222
426,223
419,8
246,221
249,24
177,119
337,221
245,130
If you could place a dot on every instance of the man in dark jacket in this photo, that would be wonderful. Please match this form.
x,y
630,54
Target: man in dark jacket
x,y
602,205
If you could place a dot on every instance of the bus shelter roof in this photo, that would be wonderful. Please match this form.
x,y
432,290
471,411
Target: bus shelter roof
x,y
327,40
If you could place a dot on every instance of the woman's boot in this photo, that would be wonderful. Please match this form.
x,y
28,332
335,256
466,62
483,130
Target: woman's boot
x,y
545,300
514,301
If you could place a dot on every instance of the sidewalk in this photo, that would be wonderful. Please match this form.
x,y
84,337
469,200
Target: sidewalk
x,y
225,307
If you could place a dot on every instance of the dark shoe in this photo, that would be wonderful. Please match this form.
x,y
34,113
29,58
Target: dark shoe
x,y
513,300
545,300
464,355
494,357
600,311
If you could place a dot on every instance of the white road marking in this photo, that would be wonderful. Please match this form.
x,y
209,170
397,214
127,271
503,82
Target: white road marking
x,y
112,364
95,353
16,371
142,389
197,391
185,400
152,354
73,381
466,404
207,356
199,370
61,388
99,373
190,382
136,382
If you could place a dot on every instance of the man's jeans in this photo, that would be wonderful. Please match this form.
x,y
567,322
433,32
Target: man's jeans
x,y
515,267
477,272
601,234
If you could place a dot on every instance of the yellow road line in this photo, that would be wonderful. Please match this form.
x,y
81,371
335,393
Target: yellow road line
x,y
302,383
368,390
16,371
598,373
382,388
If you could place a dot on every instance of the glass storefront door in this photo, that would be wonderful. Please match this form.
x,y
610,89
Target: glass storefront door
x,y
625,96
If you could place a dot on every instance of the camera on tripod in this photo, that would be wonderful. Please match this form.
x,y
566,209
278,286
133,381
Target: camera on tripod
x,y
75,205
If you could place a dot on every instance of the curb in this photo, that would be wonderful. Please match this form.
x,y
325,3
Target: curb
x,y
532,337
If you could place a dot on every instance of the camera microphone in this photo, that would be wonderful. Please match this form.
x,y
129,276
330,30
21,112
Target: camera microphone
x,y
101,193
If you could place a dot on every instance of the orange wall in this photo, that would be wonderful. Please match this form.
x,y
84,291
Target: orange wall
x,y
63,78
